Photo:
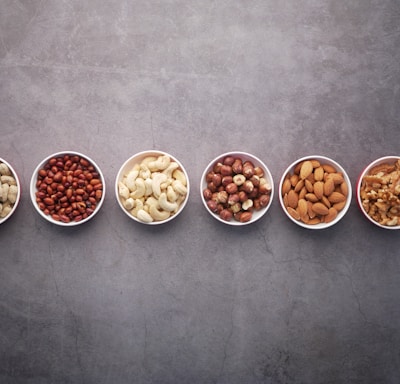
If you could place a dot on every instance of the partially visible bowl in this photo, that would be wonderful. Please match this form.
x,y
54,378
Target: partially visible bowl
x,y
378,192
152,187
314,206
11,188
67,188
241,205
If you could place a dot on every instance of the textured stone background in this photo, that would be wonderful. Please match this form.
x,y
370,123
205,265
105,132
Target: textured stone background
x,y
197,301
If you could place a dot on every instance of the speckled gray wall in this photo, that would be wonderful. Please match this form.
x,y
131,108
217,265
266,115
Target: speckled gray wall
x,y
196,301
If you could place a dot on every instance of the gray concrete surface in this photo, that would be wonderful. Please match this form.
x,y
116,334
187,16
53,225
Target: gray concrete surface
x,y
196,301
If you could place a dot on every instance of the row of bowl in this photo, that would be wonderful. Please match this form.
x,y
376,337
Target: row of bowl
x,y
152,187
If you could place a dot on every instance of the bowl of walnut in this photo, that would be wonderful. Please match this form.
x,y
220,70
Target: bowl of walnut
x,y
236,188
378,192
315,192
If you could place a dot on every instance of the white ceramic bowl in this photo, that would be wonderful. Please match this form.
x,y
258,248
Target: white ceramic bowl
x,y
61,157
136,160
366,171
244,156
15,204
323,160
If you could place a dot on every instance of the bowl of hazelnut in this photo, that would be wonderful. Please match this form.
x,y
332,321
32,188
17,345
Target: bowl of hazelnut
x,y
152,187
10,190
378,192
237,188
315,192
67,188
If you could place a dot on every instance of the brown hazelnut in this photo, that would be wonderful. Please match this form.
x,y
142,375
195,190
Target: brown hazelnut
x,y
217,179
222,197
227,180
217,167
242,196
212,205
231,188
228,160
226,170
233,199
247,186
248,169
226,214
245,217
258,171
264,200
207,194
237,166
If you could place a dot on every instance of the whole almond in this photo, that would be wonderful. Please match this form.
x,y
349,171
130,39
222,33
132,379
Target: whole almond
x,y
303,193
329,187
329,168
336,197
293,199
319,174
326,201
332,214
339,206
286,186
292,212
302,207
299,186
306,169
315,163
344,188
319,189
337,178
320,209
294,179
314,220
309,185
310,212
311,197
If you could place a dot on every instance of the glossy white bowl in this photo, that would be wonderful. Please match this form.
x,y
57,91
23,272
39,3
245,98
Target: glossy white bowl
x,y
244,156
136,159
380,161
15,205
323,160
34,189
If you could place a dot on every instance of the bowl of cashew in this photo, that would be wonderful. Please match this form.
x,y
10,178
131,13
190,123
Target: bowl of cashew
x,y
10,190
152,187
378,192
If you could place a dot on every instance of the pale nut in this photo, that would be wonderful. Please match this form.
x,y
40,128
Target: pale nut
x,y
239,179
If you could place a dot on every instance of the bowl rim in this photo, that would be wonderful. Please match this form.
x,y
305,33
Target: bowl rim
x,y
379,160
33,189
340,215
142,155
19,188
261,212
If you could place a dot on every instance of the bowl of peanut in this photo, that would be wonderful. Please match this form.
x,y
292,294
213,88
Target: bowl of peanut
x,y
152,187
378,192
237,188
10,190
315,192
67,188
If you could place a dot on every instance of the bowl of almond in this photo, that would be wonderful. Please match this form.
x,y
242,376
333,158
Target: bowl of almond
x,y
378,192
315,192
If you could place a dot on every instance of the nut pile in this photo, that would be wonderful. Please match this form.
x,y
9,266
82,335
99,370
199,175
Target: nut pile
x,y
380,193
154,189
69,188
314,193
8,190
235,188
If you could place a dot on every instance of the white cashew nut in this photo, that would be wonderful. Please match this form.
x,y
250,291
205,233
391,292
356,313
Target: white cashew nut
x,y
131,178
145,172
8,180
179,187
140,189
157,214
149,186
170,169
158,178
160,164
144,216
137,207
171,194
12,194
123,190
129,203
165,204
179,175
